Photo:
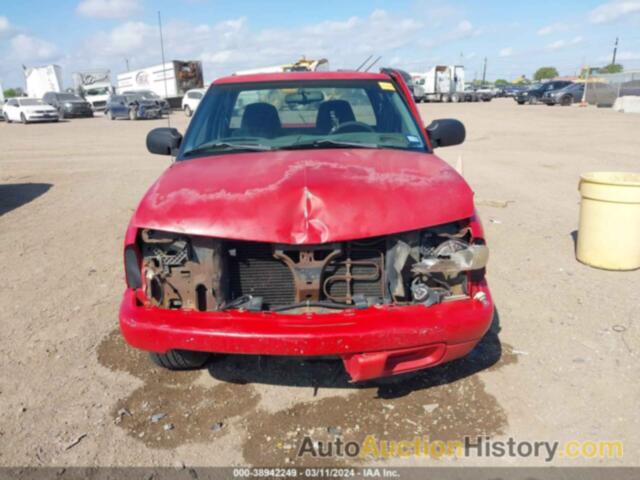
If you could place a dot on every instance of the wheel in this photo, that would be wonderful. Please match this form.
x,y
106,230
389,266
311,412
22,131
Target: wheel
x,y
455,98
520,102
446,99
60,113
132,114
180,359
565,101
23,119
187,111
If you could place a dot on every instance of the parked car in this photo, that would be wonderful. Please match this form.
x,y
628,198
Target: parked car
x,y
27,110
535,93
329,229
513,90
565,96
132,106
68,104
485,93
191,100
152,96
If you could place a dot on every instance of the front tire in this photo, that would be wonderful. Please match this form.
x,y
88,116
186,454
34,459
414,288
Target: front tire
x,y
180,359
565,101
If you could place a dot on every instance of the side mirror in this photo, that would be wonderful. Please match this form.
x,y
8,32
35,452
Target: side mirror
x,y
164,141
446,132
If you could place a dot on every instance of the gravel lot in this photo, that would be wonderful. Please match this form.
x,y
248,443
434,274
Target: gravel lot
x,y
561,362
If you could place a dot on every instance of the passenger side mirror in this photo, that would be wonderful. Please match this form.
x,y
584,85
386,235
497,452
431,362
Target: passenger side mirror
x,y
164,141
446,132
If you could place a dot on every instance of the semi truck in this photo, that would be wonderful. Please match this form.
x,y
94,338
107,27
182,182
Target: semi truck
x,y
94,86
40,80
170,80
443,83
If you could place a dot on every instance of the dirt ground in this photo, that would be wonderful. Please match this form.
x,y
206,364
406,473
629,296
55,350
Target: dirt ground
x,y
560,362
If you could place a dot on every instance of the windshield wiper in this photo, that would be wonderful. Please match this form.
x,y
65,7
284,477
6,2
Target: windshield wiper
x,y
214,146
326,142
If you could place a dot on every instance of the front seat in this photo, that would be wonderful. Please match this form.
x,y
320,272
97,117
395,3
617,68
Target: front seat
x,y
260,120
333,113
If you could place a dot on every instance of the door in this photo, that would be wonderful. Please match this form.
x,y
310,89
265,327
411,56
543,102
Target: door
x,y
12,110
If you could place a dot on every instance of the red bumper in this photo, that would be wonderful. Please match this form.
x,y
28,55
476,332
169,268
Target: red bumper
x,y
373,342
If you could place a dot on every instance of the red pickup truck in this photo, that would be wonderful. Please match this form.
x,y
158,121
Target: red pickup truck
x,y
307,215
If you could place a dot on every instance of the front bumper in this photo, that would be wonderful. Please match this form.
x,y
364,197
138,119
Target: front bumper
x,y
42,117
147,113
78,112
373,342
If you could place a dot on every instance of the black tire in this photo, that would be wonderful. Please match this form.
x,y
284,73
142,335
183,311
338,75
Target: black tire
x,y
23,119
180,359
520,102
566,101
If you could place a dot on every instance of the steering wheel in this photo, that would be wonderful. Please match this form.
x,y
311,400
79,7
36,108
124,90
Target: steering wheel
x,y
352,126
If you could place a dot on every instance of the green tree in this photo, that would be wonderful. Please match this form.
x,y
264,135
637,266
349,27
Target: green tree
x,y
612,68
501,82
544,73
11,92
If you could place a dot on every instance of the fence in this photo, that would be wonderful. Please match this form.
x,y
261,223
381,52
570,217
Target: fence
x,y
604,89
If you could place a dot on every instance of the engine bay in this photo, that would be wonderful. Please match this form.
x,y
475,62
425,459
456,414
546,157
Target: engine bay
x,y
428,267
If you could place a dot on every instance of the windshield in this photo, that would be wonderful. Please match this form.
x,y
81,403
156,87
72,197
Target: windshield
x,y
301,114
97,91
148,95
67,97
132,97
30,102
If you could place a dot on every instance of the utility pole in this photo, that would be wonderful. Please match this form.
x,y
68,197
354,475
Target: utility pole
x,y
164,70
126,62
484,71
615,50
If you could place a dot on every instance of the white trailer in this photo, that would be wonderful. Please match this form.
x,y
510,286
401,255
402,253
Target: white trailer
x,y
40,80
94,86
443,83
170,80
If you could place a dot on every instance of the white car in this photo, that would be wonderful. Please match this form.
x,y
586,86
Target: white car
x,y
191,100
27,110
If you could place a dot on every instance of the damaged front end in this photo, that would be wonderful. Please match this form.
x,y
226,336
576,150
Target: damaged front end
x,y
427,267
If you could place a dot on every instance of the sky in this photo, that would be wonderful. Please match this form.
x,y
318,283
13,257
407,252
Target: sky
x,y
515,37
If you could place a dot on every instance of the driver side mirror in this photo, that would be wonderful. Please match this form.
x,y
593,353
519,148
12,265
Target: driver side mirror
x,y
164,141
446,132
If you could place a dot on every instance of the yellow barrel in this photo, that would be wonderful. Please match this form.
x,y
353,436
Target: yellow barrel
x,y
609,231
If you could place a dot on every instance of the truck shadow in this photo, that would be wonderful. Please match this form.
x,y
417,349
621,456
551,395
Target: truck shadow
x,y
330,373
15,195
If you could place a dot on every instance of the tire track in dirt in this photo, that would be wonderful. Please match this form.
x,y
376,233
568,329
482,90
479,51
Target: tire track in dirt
x,y
443,403
192,412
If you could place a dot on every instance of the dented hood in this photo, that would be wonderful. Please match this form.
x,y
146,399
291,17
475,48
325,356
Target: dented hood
x,y
305,196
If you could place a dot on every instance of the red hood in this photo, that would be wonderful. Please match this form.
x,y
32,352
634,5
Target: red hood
x,y
305,196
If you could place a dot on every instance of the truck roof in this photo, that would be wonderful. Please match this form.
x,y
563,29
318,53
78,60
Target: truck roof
x,y
301,76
